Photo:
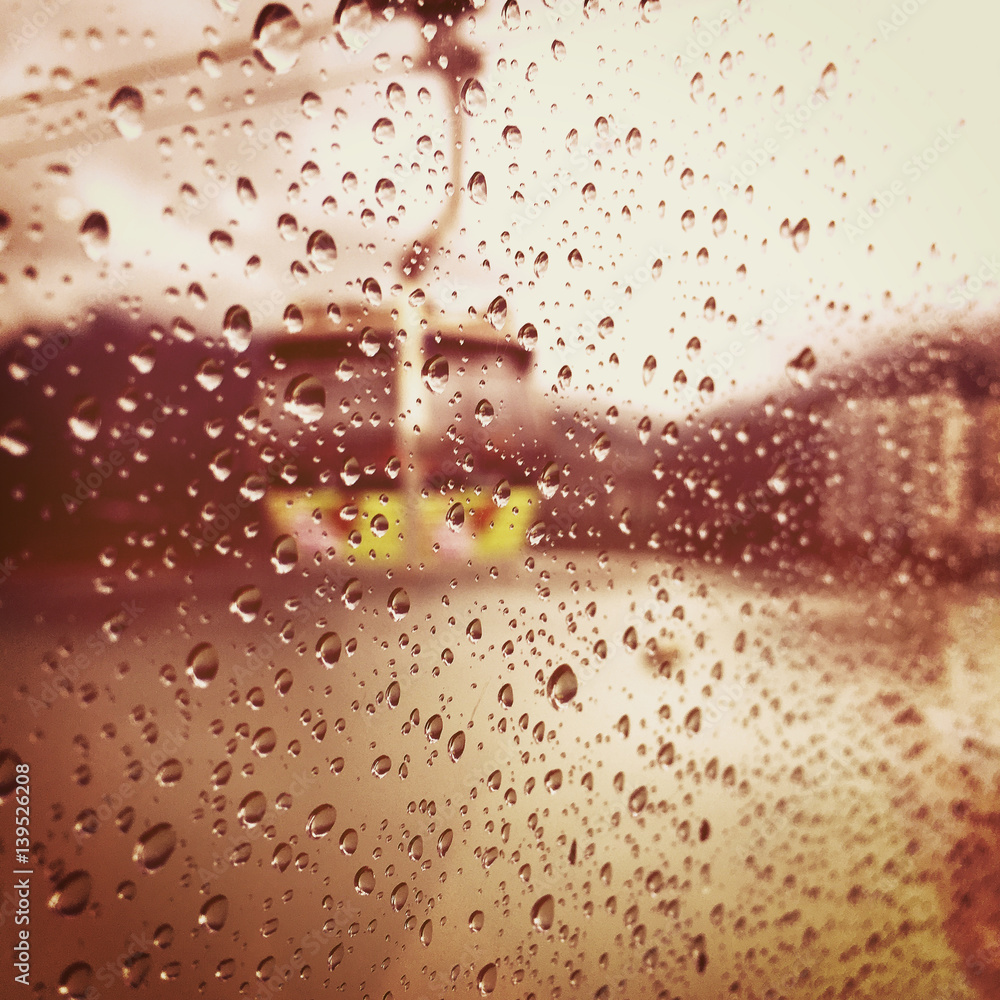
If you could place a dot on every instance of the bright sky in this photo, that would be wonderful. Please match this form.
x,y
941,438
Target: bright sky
x,y
910,107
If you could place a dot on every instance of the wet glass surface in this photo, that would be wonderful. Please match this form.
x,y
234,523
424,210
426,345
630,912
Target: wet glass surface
x,y
499,500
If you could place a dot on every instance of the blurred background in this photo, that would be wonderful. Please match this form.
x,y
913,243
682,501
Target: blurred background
x,y
633,367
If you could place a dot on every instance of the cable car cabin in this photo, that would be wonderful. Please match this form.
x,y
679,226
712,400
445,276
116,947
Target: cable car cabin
x,y
399,441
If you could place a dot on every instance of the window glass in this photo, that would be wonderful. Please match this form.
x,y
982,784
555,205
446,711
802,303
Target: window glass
x,y
499,497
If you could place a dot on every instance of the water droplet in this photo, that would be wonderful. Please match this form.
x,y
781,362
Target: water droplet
x,y
76,981
293,319
477,188
487,979
94,236
282,857
385,191
126,109
562,685
648,370
512,136
221,242
245,191
455,517
135,968
600,448
383,131
435,373
444,842
633,142
355,24
85,420
214,913
399,896
381,766
543,913
203,664
496,312
800,368
829,78
321,821
72,894
395,97
169,773
14,438
237,328
548,480
349,842
649,10
370,343
352,594
575,259
511,15
277,38
473,97
285,554
456,746
210,64
800,235
485,412
719,222
305,398
364,881
558,50
312,105
692,721
252,809
154,847
399,604
474,630
637,800
322,251
501,493
328,649
527,336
